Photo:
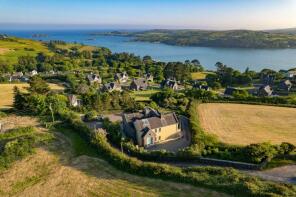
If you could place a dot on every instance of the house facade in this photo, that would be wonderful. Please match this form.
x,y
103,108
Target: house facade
x,y
150,127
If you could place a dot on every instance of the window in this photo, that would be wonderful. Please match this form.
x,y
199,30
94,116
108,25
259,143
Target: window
x,y
159,138
159,129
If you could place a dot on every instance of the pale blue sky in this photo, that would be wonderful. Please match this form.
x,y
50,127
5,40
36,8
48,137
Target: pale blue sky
x,y
202,14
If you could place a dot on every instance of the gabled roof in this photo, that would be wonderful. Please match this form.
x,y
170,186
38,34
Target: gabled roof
x,y
169,83
93,77
140,82
155,122
111,86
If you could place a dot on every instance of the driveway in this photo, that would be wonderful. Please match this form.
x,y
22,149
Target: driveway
x,y
116,117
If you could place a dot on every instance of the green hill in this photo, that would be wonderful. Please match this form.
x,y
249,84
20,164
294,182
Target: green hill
x,y
226,39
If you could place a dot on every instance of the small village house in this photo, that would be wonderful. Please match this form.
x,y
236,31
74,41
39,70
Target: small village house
x,y
93,78
139,84
285,85
121,77
149,77
110,87
265,90
150,127
168,83
74,101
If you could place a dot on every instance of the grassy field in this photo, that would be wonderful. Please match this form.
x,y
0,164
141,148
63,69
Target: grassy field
x,y
246,124
143,95
10,50
199,75
6,92
70,167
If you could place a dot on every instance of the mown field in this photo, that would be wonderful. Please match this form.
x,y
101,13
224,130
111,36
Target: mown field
x,y
13,48
144,95
199,75
68,166
6,92
246,124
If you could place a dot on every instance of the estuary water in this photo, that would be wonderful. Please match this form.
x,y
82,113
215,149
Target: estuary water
x,y
255,59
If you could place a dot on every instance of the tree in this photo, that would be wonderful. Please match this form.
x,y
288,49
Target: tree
x,y
19,99
38,85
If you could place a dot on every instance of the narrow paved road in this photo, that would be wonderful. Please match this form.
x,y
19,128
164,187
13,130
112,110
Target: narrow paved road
x,y
285,174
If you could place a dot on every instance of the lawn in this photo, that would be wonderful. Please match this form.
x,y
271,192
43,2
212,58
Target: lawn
x,y
245,124
6,92
199,75
10,50
144,95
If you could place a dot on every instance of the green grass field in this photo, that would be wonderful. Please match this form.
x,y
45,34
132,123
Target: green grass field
x,y
16,47
200,75
144,95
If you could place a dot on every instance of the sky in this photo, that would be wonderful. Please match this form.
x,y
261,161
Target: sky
x,y
189,14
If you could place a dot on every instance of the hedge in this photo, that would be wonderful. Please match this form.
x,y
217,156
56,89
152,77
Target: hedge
x,y
226,180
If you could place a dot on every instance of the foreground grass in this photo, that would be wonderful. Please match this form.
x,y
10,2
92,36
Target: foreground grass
x,y
246,124
6,93
69,167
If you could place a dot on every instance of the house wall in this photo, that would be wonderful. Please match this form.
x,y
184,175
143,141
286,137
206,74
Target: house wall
x,y
167,132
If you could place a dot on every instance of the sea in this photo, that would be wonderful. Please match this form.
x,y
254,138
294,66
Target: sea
x,y
240,59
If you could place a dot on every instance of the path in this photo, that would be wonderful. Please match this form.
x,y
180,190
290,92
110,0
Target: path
x,y
286,174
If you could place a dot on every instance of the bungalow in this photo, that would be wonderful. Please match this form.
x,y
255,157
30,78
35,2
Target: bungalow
x,y
93,78
74,101
168,83
110,87
285,85
139,84
149,127
121,77
265,90
149,77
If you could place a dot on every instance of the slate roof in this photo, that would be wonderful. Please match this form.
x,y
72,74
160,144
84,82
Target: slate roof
x,y
156,122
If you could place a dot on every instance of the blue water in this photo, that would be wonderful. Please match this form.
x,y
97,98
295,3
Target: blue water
x,y
255,59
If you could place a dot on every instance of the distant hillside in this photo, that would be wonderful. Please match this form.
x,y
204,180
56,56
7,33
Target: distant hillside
x,y
226,39
284,31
